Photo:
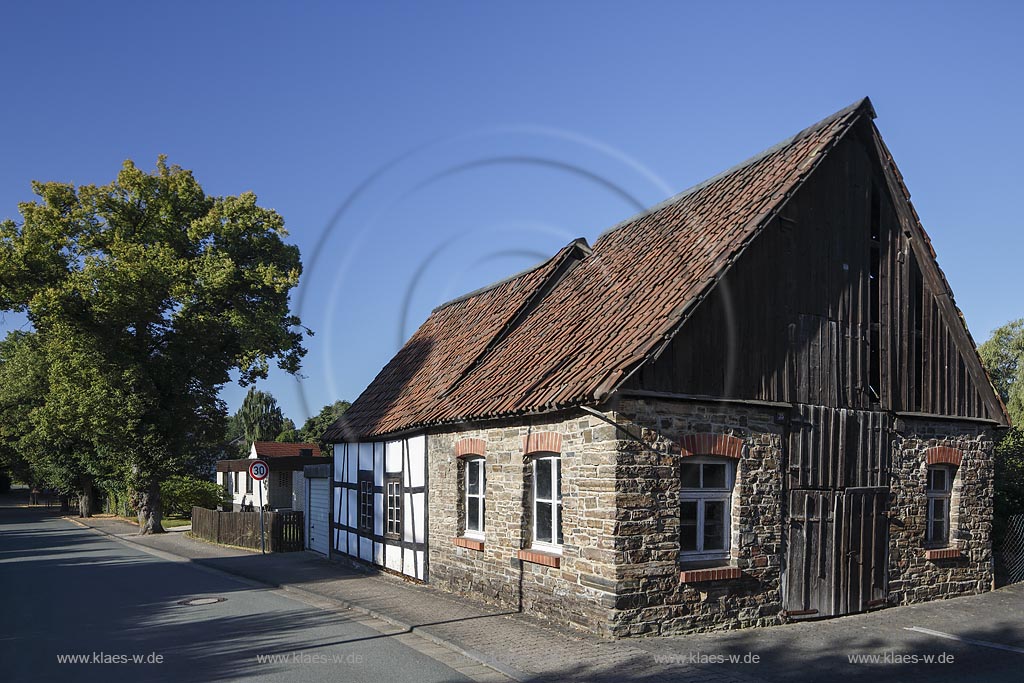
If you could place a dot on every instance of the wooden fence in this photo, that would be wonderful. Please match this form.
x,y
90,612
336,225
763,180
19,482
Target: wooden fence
x,y
284,529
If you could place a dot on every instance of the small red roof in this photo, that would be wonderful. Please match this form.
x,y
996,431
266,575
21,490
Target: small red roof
x,y
272,449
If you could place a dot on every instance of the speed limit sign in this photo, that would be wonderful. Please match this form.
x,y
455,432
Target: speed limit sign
x,y
258,470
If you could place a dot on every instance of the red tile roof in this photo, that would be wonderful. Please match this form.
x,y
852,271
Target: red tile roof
x,y
569,331
272,449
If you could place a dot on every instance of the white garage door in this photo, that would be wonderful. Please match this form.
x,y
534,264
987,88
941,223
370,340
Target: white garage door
x,y
318,531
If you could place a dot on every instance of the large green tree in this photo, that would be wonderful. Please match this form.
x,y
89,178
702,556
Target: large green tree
x,y
146,294
1003,356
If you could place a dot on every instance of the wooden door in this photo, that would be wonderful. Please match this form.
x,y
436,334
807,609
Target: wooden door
x,y
836,551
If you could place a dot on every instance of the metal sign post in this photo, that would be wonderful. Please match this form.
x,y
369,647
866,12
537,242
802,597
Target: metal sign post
x,y
259,470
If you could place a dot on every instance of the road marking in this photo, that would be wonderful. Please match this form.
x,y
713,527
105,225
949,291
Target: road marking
x,y
969,641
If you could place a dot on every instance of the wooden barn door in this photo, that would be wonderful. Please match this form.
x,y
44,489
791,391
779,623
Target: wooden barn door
x,y
837,524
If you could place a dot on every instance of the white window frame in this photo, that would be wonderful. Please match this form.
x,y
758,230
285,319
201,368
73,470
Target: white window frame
x,y
701,496
938,495
481,497
554,461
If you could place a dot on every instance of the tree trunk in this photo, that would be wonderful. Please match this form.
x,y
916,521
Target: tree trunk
x,y
65,504
151,510
86,499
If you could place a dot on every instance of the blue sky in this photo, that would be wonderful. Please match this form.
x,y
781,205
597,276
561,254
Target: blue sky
x,y
419,151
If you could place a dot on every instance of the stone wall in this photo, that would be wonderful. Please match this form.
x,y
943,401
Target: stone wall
x,y
913,577
620,569
580,591
652,598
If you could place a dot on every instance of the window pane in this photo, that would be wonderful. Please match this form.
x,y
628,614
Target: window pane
x,y
714,476
714,525
473,477
688,525
691,475
558,477
542,471
473,516
689,512
559,527
544,522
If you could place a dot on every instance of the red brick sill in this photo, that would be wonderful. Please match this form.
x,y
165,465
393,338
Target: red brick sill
x,y
470,543
546,559
709,574
942,554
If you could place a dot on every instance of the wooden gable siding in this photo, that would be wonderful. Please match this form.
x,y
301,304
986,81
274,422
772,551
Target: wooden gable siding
x,y
800,319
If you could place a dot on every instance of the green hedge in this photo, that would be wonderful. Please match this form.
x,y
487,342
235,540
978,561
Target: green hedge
x,y
181,494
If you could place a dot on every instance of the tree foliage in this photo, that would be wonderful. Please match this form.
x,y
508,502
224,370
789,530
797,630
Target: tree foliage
x,y
1003,356
261,417
1009,481
145,294
313,429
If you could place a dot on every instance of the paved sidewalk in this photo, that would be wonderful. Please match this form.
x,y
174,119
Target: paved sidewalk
x,y
990,628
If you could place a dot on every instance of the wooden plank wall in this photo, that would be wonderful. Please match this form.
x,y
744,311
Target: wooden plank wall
x,y
836,448
828,307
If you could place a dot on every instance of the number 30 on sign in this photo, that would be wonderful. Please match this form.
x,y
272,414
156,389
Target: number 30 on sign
x,y
258,470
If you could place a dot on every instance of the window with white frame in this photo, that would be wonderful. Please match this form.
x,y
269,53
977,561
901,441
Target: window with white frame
x,y
393,506
938,489
475,487
705,502
248,483
547,502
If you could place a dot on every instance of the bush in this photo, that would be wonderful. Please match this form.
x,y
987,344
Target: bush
x,y
1009,487
181,494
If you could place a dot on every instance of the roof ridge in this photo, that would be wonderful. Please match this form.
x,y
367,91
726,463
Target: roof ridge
x,y
579,242
813,128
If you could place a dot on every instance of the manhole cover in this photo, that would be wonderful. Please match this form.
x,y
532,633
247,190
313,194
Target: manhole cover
x,y
193,602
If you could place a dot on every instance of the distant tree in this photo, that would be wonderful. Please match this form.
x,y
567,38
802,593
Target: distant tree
x,y
313,429
261,417
147,294
289,434
1003,356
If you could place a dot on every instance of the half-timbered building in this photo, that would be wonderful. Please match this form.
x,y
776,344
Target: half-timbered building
x,y
756,401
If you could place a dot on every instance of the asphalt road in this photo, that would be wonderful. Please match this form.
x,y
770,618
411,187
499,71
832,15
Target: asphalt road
x,y
69,592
